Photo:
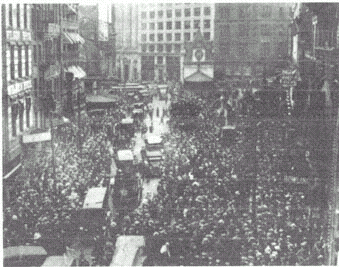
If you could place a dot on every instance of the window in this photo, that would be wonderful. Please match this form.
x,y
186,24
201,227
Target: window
x,y
152,14
28,105
160,48
152,26
143,26
21,117
143,38
197,11
187,24
169,25
177,48
25,16
12,63
18,16
169,36
160,25
224,32
281,13
35,54
178,25
10,15
265,50
187,36
224,13
143,15
14,116
20,61
266,11
160,59
187,12
143,48
151,37
169,48
241,13
243,30
178,13
207,11
160,37
224,50
196,24
207,36
243,49
177,36
151,48
160,13
281,30
207,24
26,61
169,13
265,30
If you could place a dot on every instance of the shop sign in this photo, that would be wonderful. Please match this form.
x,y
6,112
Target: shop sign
x,y
13,35
53,29
16,88
34,138
27,84
295,180
288,79
26,36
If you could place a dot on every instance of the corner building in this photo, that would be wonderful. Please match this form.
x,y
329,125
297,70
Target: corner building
x,y
163,31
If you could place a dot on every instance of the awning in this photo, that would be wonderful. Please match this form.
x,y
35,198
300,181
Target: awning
x,y
198,77
99,99
77,71
73,38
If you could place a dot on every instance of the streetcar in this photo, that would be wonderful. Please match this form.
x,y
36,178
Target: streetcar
x,y
127,186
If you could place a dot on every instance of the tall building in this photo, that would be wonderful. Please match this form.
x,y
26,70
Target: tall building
x,y
17,84
128,56
98,54
163,31
250,39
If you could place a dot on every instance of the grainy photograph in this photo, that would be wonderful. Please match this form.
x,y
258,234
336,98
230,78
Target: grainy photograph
x,y
170,134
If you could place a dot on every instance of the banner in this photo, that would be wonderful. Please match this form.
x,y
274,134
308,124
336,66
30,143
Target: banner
x,y
39,137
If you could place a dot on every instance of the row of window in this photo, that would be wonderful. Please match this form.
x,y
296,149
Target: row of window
x,y
18,62
20,116
243,49
245,29
178,13
177,25
247,11
169,37
18,16
168,48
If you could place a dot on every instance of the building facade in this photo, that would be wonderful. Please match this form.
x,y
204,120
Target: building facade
x,y
163,30
250,39
128,56
17,83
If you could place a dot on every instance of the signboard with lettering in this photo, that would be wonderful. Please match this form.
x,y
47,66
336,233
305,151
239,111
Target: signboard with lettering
x,y
26,36
53,29
27,84
39,137
13,35
288,79
295,180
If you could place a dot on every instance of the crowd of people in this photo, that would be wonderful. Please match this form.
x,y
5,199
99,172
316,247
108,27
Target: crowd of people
x,y
216,204
44,205
219,205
